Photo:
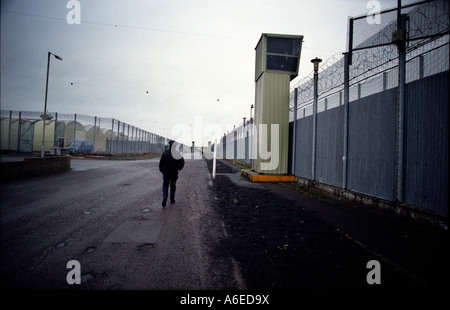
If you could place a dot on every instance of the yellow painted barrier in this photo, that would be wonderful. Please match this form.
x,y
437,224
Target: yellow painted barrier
x,y
256,177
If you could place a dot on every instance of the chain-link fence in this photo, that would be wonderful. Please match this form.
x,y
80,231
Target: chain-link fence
x,y
22,131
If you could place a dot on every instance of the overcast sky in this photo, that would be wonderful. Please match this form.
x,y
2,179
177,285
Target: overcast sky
x,y
155,64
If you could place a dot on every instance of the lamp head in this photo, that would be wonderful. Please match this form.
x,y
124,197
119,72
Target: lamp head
x,y
316,62
56,56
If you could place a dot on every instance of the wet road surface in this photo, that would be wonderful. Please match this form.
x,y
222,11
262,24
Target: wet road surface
x,y
107,215
220,234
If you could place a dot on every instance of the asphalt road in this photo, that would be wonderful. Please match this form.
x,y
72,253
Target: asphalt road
x,y
107,215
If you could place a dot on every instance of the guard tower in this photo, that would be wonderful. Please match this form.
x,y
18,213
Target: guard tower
x,y
277,62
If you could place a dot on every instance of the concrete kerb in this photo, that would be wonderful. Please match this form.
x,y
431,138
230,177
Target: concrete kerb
x,y
34,166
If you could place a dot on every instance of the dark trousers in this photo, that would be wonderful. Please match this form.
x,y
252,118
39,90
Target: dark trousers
x,y
173,187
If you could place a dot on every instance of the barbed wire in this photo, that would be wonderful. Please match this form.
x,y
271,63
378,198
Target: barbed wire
x,y
428,29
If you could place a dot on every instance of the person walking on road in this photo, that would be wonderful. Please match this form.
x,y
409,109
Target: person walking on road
x,y
170,163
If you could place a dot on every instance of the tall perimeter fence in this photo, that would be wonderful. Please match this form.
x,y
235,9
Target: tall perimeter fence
x,y
22,131
381,121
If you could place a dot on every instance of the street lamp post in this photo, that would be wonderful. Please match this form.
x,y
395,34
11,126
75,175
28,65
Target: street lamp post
x,y
45,105
316,62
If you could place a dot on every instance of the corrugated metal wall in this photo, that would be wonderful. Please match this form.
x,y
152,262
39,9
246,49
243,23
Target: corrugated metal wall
x,y
427,116
303,147
372,144
330,131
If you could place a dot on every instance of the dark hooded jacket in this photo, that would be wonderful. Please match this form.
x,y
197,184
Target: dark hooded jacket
x,y
170,166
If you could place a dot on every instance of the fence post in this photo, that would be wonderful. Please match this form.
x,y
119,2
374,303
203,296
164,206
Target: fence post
x,y
55,136
95,129
314,133
235,146
9,130
144,141
214,160
117,139
128,138
112,136
294,130
74,130
151,141
401,108
224,139
123,138
19,132
131,140
139,140
99,126
136,140
346,117
347,63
